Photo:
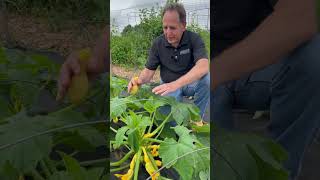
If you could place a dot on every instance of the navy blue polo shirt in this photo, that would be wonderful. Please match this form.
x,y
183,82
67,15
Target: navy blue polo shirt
x,y
234,20
175,62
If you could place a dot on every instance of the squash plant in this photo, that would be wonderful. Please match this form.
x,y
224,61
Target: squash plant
x,y
143,129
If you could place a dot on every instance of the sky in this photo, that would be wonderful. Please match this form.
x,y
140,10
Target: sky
x,y
123,14
117,5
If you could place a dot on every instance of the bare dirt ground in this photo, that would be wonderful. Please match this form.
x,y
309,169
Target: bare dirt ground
x,y
36,33
129,73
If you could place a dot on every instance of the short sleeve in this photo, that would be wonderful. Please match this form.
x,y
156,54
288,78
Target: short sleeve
x,y
199,49
153,58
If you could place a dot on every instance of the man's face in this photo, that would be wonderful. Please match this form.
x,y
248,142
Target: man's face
x,y
172,27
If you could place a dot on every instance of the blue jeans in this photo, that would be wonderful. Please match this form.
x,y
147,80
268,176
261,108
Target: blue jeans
x,y
290,89
199,89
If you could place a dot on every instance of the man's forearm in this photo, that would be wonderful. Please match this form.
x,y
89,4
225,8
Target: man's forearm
x,y
200,69
102,53
146,75
292,23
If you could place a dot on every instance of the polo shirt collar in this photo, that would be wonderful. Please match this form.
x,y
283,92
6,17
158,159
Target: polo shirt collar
x,y
183,41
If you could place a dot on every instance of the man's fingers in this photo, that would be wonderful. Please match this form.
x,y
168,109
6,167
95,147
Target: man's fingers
x,y
159,89
133,82
74,65
64,81
164,93
129,86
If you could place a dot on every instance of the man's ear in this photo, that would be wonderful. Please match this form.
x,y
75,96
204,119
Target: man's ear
x,y
184,25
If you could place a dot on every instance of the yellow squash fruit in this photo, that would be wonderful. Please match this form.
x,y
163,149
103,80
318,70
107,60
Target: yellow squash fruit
x,y
134,88
129,174
78,88
149,166
84,56
79,85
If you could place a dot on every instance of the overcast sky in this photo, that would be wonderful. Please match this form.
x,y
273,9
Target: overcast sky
x,y
117,5
126,12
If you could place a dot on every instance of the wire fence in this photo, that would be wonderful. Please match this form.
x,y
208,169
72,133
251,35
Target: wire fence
x,y
197,13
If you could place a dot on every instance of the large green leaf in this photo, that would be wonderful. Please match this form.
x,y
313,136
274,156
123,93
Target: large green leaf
x,y
117,85
180,114
76,172
120,136
134,139
186,165
268,171
117,106
89,134
24,156
137,121
25,87
253,159
152,104
183,113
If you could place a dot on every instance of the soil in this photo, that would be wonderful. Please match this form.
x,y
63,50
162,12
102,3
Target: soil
x,y
128,73
37,33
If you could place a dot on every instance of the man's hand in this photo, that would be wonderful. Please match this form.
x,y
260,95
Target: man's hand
x,y
144,77
166,88
98,63
70,68
134,82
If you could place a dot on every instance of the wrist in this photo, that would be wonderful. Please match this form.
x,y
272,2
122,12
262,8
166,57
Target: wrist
x,y
177,84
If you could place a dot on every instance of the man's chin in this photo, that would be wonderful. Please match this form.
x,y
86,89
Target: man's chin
x,y
171,42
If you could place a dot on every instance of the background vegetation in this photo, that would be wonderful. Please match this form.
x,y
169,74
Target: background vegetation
x,y
130,47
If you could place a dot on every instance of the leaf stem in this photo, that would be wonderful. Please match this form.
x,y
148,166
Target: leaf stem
x,y
118,163
119,168
86,163
152,119
112,129
162,124
137,165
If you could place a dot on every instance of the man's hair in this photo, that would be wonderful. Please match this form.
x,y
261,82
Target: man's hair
x,y
176,7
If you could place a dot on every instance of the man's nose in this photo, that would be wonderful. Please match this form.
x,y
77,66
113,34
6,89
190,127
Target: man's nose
x,y
169,31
